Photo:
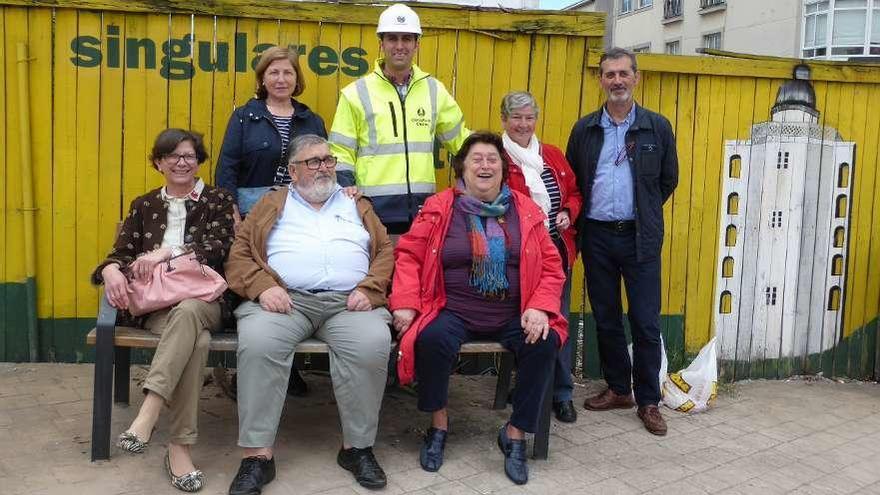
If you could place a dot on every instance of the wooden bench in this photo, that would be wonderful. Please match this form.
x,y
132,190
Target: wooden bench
x,y
113,347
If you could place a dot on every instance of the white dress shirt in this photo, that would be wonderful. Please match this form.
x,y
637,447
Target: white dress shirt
x,y
326,249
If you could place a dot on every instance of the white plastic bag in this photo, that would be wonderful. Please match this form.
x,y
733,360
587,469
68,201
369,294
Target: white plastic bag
x,y
693,388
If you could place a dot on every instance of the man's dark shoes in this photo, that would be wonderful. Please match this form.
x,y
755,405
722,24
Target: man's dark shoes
x,y
431,453
653,420
609,400
363,464
296,386
514,451
253,474
565,411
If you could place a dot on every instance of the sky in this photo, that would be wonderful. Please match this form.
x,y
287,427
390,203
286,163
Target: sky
x,y
555,4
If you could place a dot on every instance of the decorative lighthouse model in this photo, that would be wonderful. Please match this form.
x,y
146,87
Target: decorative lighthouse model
x,y
784,231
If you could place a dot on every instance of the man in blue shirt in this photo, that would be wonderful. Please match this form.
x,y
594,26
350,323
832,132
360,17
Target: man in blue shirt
x,y
625,159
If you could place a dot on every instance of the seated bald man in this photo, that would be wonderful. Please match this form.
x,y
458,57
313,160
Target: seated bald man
x,y
311,262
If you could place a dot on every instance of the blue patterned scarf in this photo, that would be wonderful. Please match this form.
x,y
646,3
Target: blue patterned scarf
x,y
489,250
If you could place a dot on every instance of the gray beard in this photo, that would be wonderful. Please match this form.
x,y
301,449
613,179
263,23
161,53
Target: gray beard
x,y
319,192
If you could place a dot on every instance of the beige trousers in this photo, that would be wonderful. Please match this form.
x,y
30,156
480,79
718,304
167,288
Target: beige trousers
x,y
176,371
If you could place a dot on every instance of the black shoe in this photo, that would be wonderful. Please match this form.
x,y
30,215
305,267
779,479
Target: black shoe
x,y
253,474
363,464
514,451
296,386
565,411
431,453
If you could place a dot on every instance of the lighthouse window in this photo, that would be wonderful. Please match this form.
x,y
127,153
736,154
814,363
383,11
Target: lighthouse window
x,y
840,208
735,166
770,296
725,306
733,204
839,237
834,299
727,267
730,236
775,219
837,265
843,175
782,160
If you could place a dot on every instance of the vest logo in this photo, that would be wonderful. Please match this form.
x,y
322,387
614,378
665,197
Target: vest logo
x,y
420,120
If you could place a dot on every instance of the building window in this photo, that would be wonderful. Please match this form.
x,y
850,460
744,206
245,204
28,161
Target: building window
x,y
837,265
733,204
673,47
727,267
671,9
725,306
834,299
705,4
730,236
839,237
840,207
631,5
840,29
735,167
843,175
642,48
712,41
815,28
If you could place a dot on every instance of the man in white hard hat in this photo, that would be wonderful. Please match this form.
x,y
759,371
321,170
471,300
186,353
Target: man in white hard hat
x,y
386,123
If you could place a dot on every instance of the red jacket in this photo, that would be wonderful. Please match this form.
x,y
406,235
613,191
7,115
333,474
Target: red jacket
x,y
418,271
571,198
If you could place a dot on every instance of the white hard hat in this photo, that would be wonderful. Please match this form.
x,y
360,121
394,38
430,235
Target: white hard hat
x,y
399,18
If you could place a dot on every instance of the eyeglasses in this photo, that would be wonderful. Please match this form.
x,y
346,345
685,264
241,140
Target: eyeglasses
x,y
175,158
315,163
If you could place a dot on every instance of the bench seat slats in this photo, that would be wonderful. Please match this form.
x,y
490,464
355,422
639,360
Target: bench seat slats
x,y
144,339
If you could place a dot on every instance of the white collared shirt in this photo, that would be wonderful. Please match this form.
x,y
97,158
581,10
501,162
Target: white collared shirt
x,y
326,249
176,221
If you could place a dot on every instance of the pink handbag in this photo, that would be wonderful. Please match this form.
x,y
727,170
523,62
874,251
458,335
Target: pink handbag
x,y
178,278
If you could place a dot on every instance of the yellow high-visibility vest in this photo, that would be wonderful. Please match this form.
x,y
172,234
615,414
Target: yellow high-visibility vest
x,y
385,144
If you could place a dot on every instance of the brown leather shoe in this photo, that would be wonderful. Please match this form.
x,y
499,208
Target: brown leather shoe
x,y
653,420
608,399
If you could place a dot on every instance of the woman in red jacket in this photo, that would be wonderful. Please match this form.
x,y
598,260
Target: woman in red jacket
x,y
478,262
541,171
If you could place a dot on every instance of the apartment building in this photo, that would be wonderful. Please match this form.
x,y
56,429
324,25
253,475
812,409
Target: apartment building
x,y
824,29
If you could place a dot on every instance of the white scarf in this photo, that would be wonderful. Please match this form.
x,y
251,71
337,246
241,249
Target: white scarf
x,y
532,164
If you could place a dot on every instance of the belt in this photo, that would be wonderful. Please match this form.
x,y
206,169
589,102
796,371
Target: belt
x,y
615,225
318,291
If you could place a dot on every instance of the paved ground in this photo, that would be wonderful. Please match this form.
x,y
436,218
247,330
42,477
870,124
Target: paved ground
x,y
762,437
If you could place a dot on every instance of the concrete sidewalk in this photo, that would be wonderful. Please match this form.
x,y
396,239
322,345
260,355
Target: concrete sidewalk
x,y
762,437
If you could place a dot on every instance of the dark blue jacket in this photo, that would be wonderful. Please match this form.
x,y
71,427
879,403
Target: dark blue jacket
x,y
654,168
251,150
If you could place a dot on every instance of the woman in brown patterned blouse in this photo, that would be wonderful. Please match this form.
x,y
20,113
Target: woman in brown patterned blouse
x,y
185,215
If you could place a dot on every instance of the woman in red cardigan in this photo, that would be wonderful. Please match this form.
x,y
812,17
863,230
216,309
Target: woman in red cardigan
x,y
541,171
478,263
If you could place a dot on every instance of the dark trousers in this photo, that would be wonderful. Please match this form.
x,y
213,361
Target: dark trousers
x,y
437,352
608,255
562,380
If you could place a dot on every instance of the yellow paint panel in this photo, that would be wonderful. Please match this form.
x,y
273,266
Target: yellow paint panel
x,y
554,95
538,75
4,150
137,103
110,153
667,92
158,28
40,65
202,95
309,36
465,76
502,53
327,88
679,228
241,58
481,115
16,32
64,172
350,40
224,86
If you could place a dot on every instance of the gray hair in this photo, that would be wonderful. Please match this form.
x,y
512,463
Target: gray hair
x,y
304,141
616,53
517,99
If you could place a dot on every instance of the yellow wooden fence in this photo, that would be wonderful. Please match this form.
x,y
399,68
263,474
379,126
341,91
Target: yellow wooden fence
x,y
105,76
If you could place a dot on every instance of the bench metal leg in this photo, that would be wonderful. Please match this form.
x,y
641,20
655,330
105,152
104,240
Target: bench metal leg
x,y
121,374
541,448
502,386
101,402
